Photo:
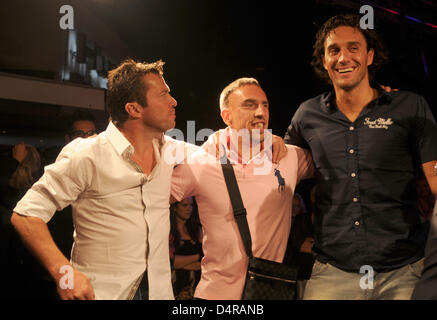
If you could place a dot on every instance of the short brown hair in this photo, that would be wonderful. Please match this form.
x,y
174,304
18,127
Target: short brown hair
x,y
125,85
224,96
349,20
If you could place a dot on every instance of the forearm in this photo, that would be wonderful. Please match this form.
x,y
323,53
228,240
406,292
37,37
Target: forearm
x,y
433,186
307,245
37,238
181,262
431,175
193,266
432,180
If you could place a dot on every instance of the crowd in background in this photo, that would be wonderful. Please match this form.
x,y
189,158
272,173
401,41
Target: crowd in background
x,y
23,165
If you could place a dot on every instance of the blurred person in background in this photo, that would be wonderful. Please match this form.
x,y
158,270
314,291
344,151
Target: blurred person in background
x,y
186,234
81,123
18,171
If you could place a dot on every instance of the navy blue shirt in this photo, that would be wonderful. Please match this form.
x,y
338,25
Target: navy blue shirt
x,y
366,201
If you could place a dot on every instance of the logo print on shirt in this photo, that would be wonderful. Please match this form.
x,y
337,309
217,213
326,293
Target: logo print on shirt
x,y
379,123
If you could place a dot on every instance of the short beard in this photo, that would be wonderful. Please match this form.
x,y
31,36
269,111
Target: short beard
x,y
350,87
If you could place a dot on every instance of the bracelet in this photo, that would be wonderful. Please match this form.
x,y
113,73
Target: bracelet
x,y
435,169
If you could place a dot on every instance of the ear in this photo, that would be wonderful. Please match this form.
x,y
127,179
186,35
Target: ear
x,y
133,109
226,116
370,55
324,63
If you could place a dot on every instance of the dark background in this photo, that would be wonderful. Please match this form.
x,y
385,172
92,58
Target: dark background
x,y
208,44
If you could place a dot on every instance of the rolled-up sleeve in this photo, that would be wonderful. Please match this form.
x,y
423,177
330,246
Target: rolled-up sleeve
x,y
293,134
60,185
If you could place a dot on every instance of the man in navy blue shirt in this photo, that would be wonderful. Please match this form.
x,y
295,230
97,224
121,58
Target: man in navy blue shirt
x,y
367,146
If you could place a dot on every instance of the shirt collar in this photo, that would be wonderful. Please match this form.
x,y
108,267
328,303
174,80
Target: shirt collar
x,y
384,97
328,99
119,141
222,138
124,148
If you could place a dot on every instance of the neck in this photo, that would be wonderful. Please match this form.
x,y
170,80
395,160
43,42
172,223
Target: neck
x,y
139,137
142,140
355,99
181,226
248,147
179,221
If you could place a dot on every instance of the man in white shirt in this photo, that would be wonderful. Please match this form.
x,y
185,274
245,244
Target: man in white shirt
x,y
118,185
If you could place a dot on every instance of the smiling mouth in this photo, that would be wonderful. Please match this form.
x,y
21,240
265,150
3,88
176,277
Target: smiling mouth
x,y
258,125
345,70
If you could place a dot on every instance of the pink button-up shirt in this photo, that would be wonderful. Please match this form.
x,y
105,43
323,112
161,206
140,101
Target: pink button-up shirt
x,y
224,263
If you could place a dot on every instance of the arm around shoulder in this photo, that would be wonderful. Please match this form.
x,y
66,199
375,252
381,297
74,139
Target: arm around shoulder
x,y
305,163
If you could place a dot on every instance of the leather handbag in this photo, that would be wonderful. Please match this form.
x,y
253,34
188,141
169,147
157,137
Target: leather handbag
x,y
265,279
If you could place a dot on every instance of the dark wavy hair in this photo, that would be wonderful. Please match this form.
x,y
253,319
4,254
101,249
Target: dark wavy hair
x,y
125,85
349,20
193,224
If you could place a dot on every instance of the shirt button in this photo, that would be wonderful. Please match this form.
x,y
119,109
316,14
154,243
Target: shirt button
x,y
351,151
351,128
355,199
353,175
357,223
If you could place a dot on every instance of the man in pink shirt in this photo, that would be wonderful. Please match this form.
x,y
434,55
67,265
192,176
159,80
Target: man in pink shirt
x,y
245,109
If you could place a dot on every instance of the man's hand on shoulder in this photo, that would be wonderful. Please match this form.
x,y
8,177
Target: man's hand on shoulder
x,y
388,88
279,150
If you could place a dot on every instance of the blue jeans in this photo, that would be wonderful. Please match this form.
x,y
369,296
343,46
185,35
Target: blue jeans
x,y
330,283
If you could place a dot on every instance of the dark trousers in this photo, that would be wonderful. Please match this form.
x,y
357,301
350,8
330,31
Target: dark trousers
x,y
143,289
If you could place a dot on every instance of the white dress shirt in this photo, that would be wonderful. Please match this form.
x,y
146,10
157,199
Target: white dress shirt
x,y
120,214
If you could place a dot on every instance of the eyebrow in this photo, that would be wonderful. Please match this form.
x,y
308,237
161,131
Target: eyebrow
x,y
164,91
353,43
254,101
350,43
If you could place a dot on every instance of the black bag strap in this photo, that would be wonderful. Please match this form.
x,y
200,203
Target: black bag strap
x,y
238,207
